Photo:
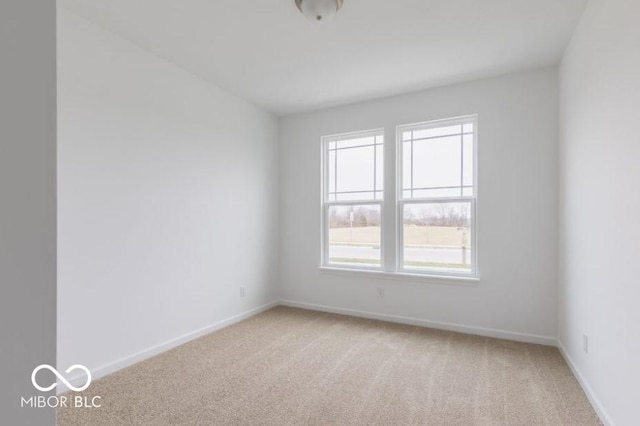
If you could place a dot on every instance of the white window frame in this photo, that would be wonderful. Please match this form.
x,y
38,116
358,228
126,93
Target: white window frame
x,y
327,203
401,201
392,210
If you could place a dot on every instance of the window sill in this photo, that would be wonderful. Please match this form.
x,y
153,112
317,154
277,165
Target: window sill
x,y
466,281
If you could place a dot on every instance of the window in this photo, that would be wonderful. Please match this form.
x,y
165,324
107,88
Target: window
x,y
432,212
353,193
437,197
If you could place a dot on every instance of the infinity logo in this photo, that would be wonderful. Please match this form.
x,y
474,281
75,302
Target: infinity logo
x,y
59,376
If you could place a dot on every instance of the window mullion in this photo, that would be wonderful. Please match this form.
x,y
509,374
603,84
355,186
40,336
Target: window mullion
x,y
461,162
389,214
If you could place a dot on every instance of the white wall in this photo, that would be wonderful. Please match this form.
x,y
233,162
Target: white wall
x,y
517,223
600,206
167,200
27,204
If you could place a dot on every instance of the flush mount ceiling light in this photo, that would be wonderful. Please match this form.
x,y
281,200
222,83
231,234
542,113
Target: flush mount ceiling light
x,y
319,10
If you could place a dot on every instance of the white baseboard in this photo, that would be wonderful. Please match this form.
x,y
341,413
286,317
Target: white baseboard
x,y
127,361
593,399
461,328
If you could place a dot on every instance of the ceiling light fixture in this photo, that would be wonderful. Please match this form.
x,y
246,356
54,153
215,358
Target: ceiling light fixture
x,y
319,10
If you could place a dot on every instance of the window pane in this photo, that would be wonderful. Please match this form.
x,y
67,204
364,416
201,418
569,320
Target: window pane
x,y
437,237
356,169
437,131
436,162
331,159
379,171
354,235
467,158
437,193
349,143
358,196
406,168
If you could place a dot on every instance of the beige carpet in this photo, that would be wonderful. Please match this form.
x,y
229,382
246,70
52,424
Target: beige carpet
x,y
291,366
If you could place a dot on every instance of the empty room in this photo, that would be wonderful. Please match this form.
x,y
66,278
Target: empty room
x,y
310,212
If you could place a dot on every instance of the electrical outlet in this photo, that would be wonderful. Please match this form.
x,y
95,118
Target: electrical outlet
x,y
380,292
585,343
243,291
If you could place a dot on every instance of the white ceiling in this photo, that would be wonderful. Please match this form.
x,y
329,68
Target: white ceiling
x,y
267,52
